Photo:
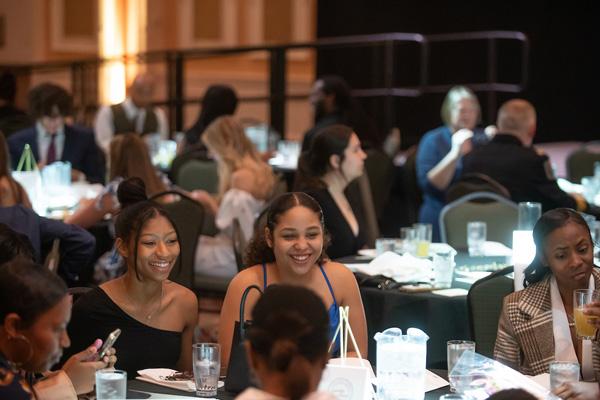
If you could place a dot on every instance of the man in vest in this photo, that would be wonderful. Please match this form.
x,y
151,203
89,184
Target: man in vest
x,y
135,114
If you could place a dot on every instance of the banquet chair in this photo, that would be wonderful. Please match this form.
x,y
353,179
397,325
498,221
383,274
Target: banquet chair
x,y
475,182
198,174
499,213
360,198
580,163
484,303
379,169
189,215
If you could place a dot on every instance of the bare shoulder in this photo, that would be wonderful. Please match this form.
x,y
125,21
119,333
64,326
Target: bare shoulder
x,y
184,297
245,278
336,270
243,179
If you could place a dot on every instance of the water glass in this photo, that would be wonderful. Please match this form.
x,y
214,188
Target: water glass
x,y
581,297
529,213
455,349
476,236
422,239
384,244
407,236
563,372
111,384
207,365
443,269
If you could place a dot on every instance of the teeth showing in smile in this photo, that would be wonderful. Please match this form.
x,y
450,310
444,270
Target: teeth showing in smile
x,y
160,264
300,258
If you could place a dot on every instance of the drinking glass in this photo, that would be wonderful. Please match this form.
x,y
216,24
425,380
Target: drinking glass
x,y
384,244
422,238
443,269
455,349
111,384
563,372
407,235
207,365
476,236
529,213
581,297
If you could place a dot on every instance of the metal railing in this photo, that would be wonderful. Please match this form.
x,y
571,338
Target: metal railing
x,y
84,86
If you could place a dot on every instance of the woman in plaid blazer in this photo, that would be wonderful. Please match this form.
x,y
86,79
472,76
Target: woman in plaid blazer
x,y
533,317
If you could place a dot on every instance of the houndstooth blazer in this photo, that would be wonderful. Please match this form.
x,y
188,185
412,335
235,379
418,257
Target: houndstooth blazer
x,y
525,340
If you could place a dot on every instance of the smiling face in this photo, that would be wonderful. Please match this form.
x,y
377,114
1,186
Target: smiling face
x,y
297,240
568,251
464,114
157,249
354,159
48,336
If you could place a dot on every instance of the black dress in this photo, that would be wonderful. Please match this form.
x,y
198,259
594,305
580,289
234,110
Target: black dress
x,y
343,242
140,346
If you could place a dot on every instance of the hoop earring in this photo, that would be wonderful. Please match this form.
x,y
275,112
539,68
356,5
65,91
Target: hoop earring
x,y
17,349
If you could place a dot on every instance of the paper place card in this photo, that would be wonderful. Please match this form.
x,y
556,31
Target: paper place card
x,y
451,292
433,381
347,382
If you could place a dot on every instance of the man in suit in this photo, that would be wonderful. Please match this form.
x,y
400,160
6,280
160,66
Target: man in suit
x,y
52,140
510,159
135,114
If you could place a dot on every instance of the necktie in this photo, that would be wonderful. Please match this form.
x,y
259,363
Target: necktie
x,y
51,155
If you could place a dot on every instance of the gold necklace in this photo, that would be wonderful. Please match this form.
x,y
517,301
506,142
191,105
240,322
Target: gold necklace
x,y
148,316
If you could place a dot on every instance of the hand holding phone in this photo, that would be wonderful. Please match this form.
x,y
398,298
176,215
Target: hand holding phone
x,y
108,343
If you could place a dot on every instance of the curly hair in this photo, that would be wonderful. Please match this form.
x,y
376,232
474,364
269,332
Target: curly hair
x,y
258,251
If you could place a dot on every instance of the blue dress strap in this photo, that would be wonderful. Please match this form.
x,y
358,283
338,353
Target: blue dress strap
x,y
329,286
264,267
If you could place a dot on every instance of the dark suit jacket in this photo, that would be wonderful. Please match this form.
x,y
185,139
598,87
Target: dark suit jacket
x,y
80,150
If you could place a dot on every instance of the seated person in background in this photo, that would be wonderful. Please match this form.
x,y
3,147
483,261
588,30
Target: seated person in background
x,y
287,344
11,192
157,317
334,160
245,183
53,140
537,326
11,118
34,312
291,251
332,103
135,114
218,100
14,244
76,244
510,159
440,152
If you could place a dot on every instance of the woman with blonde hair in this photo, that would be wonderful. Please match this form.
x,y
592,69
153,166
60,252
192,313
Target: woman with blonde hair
x,y
245,183
11,192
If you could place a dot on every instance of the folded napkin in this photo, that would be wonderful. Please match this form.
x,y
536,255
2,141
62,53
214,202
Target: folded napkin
x,y
158,377
401,268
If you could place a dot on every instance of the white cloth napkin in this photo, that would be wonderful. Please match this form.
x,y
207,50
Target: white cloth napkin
x,y
402,268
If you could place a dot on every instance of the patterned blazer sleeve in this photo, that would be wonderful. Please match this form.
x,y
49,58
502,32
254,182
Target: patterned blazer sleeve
x,y
507,349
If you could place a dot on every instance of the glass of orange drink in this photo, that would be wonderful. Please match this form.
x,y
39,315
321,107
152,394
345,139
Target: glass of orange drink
x,y
581,297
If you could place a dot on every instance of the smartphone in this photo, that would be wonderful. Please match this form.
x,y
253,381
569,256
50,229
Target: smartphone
x,y
108,343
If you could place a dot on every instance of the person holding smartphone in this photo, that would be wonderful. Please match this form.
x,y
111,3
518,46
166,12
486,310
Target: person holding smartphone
x,y
156,316
34,311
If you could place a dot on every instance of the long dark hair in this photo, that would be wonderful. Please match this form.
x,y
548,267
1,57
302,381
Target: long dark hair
x,y
29,290
258,251
314,163
548,223
290,332
136,211
218,100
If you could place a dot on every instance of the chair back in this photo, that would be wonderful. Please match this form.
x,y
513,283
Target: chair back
x,y
413,195
198,174
379,169
580,163
484,303
360,198
188,216
475,182
239,243
500,215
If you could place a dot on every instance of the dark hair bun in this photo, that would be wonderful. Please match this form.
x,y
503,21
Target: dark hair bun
x,y
282,353
131,191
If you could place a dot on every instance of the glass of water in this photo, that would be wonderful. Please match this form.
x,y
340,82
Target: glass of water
x,y
476,236
111,384
456,348
207,365
563,372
